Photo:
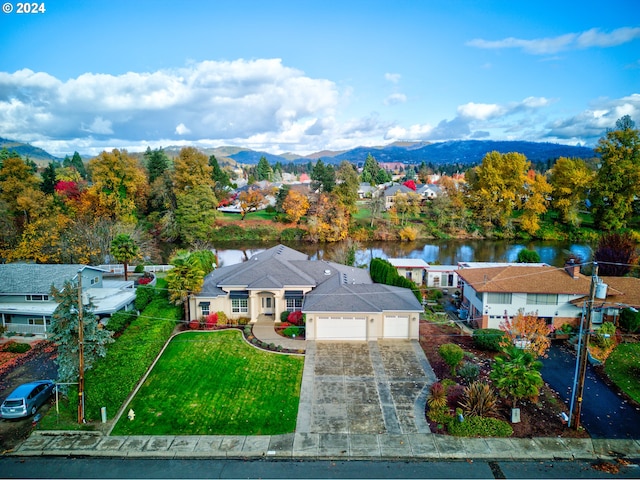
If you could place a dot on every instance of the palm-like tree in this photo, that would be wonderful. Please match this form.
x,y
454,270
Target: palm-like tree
x,y
124,249
185,278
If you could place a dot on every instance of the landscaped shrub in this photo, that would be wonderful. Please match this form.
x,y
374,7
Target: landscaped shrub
x,y
295,318
291,331
455,394
119,321
479,427
15,347
438,396
211,320
194,324
469,372
222,319
243,321
479,400
452,355
284,316
139,268
629,320
145,280
604,336
488,339
144,296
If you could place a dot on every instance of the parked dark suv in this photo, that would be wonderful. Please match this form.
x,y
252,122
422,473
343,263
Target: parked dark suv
x,y
26,399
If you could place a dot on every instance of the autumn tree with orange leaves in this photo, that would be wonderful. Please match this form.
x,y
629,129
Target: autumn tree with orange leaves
x,y
295,205
527,331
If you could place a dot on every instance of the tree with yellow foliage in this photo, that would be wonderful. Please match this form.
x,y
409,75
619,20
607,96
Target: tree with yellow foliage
x,y
536,203
295,205
528,332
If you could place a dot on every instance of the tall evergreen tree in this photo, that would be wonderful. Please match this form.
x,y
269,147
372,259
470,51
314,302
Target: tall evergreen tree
x,y
49,181
156,162
263,170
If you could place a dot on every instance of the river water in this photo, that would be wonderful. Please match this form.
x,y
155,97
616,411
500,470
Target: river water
x,y
441,252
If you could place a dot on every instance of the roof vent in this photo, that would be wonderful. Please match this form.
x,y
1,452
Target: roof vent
x,y
327,272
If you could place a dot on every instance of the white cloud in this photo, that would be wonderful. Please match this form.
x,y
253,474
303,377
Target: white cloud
x,y
392,77
395,99
570,41
479,111
181,129
99,126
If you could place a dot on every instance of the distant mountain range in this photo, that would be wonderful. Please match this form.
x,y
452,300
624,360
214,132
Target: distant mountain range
x,y
459,151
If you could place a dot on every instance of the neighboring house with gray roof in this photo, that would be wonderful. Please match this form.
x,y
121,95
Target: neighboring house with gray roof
x,y
340,302
26,303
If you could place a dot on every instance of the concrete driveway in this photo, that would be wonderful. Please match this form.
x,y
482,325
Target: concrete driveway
x,y
364,388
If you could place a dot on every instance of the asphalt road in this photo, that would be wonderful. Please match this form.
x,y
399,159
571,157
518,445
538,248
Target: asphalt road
x,y
605,414
65,467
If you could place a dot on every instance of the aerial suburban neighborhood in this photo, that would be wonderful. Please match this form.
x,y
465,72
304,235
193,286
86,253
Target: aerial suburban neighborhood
x,y
299,239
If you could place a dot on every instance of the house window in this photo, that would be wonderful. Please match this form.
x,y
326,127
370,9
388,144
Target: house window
x,y
95,280
37,298
294,304
36,321
500,298
480,296
542,299
204,307
239,305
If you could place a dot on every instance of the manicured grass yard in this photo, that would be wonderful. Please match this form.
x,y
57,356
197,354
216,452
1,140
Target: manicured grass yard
x,y
213,383
623,367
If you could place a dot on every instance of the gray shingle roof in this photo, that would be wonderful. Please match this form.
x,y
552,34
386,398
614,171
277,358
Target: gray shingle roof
x,y
31,278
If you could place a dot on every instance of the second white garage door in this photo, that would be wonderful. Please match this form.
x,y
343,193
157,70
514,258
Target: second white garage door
x,y
341,328
396,326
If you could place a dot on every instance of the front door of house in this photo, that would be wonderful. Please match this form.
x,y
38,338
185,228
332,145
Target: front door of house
x,y
267,305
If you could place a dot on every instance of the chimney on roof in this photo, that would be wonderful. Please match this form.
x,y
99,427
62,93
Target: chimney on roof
x,y
572,268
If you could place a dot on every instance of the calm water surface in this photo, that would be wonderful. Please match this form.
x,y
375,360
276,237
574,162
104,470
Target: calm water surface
x,y
442,252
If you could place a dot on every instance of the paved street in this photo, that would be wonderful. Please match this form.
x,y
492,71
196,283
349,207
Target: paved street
x,y
604,413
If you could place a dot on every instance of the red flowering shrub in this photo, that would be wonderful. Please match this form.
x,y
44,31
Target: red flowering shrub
x,y
295,318
144,280
211,321
194,324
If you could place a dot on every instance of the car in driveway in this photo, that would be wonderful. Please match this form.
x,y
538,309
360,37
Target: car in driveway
x,y
26,399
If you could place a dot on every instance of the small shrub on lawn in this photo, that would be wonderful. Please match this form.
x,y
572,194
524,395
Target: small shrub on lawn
x,y
488,339
144,296
452,355
119,321
479,427
14,347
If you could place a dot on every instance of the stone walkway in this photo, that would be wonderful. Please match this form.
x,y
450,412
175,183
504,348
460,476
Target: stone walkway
x,y
264,330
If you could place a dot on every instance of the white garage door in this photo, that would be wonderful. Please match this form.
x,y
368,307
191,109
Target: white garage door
x,y
396,326
341,328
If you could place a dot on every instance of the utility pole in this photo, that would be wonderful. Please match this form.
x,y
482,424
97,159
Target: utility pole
x,y
80,352
583,353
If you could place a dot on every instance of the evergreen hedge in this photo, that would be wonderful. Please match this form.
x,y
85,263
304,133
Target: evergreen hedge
x,y
382,271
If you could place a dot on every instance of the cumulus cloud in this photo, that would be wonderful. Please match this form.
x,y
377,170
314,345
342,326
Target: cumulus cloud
x,y
217,100
570,41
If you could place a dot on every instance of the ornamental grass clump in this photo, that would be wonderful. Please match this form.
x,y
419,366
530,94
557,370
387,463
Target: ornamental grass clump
x,y
479,400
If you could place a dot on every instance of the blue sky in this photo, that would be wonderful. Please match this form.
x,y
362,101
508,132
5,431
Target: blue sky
x,y
303,76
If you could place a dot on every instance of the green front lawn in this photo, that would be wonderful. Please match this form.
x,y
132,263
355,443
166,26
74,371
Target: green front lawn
x,y
623,368
213,383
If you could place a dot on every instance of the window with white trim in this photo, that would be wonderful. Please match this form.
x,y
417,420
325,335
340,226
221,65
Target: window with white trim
x,y
239,305
500,298
542,299
37,298
294,304
205,309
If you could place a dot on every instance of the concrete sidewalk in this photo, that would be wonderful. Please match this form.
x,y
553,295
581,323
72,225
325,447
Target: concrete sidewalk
x,y
326,446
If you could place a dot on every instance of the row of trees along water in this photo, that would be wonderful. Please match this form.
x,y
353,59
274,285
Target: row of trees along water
x,y
71,212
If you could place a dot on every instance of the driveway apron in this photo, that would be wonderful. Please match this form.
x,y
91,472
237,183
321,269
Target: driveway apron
x,y
364,388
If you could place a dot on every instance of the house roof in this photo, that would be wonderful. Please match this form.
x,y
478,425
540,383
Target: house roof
x,y
393,190
525,279
31,278
336,287
408,263
621,292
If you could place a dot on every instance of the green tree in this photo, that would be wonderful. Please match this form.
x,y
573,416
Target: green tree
x,y
49,181
323,177
528,256
220,178
185,278
346,189
124,249
618,179
191,169
516,375
196,213
372,173
570,180
156,162
263,170
64,333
